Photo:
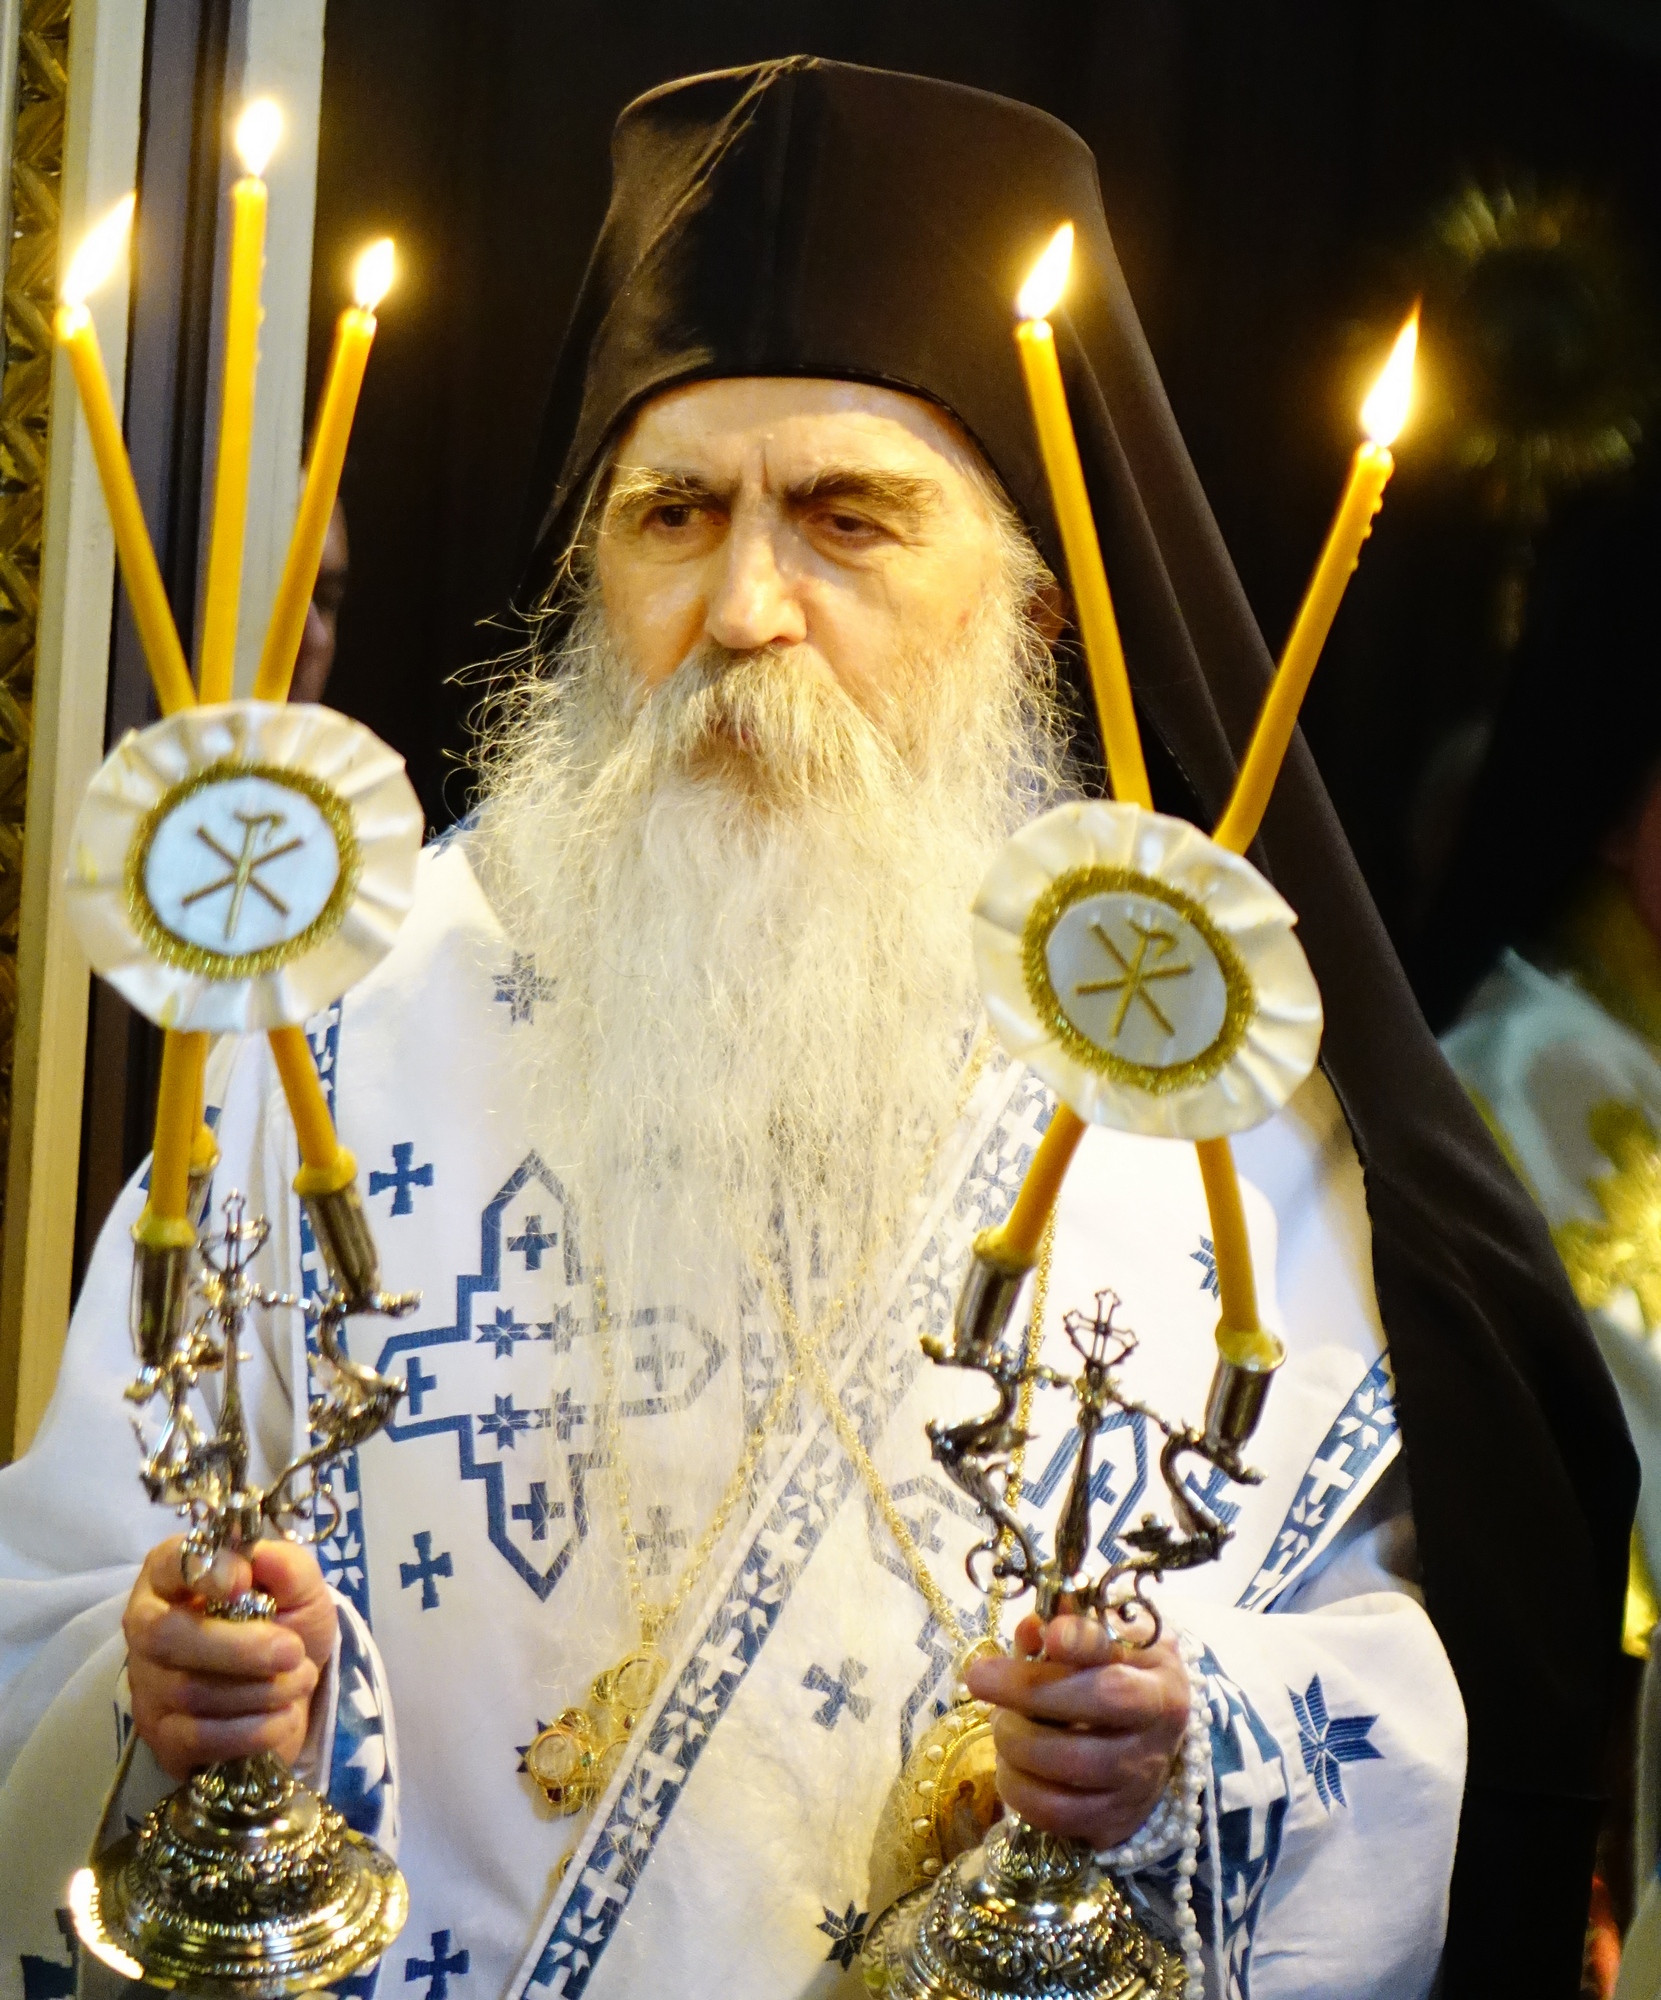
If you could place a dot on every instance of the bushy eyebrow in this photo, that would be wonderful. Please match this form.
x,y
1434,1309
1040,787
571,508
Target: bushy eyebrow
x,y
905,499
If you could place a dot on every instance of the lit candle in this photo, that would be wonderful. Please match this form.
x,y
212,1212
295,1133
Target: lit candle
x,y
1382,416
257,132
1092,601
325,1164
354,333
91,265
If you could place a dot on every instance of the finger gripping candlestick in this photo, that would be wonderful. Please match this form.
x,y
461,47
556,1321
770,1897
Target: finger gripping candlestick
x,y
1030,1913
243,1884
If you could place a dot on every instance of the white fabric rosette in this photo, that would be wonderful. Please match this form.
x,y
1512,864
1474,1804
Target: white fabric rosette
x,y
237,867
1150,977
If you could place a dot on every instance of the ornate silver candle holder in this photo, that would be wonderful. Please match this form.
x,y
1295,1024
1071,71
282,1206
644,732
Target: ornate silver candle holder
x,y
244,1884
1030,1913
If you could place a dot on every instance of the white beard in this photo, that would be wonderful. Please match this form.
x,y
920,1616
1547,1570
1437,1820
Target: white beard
x,y
762,983
763,988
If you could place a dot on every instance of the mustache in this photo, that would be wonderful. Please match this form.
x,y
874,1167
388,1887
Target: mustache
x,y
775,714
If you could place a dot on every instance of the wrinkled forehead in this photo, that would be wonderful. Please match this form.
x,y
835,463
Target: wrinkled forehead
x,y
784,430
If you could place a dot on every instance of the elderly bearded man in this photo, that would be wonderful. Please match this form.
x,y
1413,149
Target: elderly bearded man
x,y
680,1114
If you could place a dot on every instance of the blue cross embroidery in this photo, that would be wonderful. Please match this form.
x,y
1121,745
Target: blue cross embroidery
x,y
1329,1742
521,989
533,1242
438,1968
538,1510
1206,1257
654,1361
839,1693
658,1540
416,1383
505,1422
425,1572
402,1178
504,1332
568,1415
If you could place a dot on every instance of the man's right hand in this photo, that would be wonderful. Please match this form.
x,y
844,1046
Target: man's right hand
x,y
205,1689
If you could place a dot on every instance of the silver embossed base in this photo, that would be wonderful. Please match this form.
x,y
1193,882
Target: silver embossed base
x,y
243,1883
1026,1913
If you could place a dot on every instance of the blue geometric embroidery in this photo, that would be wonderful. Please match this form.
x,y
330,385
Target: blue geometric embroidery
x,y
438,1968
846,1933
594,1903
427,1570
48,1978
659,1540
1206,1257
1361,1439
532,1241
505,1423
402,1178
359,1774
1253,1797
838,1690
1329,1742
1044,1488
521,989
505,1331
340,1554
539,1510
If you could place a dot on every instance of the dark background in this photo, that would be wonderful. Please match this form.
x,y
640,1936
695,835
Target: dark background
x,y
1271,170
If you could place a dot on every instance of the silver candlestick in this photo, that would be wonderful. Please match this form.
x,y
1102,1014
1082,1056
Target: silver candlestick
x,y
1030,1913
244,1884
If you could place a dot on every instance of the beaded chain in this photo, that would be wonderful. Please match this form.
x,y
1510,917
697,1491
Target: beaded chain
x,y
1175,1822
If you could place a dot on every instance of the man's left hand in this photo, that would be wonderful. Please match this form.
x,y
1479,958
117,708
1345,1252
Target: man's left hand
x,y
1087,1736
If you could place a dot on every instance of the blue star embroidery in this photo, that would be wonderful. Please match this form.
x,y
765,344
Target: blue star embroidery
x,y
505,1422
1206,1257
846,1933
505,1332
1329,1742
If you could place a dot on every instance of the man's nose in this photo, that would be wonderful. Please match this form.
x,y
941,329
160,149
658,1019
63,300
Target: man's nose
x,y
753,604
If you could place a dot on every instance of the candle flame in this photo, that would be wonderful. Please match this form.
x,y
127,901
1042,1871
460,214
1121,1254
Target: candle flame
x,y
372,274
101,250
83,1903
257,132
1385,410
1047,280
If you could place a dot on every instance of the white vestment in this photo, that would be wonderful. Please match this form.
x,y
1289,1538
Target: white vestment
x,y
479,1546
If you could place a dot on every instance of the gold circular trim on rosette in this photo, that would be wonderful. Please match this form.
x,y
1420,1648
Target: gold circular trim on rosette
x,y
1150,977
237,867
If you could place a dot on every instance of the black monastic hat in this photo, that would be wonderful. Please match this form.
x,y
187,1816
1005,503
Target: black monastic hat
x,y
811,218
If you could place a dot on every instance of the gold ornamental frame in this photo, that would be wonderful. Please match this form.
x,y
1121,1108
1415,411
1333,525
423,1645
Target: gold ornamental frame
x,y
25,420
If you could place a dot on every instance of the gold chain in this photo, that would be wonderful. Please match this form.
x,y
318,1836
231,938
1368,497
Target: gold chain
x,y
655,1619
809,1356
573,1758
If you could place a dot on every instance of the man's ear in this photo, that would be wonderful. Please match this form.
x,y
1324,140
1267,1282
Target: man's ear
x,y
1050,610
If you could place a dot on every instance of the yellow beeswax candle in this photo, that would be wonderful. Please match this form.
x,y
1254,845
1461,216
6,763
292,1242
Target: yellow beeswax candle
x,y
1014,1243
256,136
178,1118
1382,416
1092,601
354,334
325,1164
1231,1247
92,263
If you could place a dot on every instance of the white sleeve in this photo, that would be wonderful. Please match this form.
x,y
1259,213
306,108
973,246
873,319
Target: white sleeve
x,y
1338,1768
75,1525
